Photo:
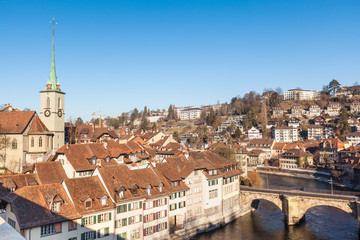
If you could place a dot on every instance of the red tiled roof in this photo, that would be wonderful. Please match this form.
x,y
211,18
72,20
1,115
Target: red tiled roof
x,y
15,122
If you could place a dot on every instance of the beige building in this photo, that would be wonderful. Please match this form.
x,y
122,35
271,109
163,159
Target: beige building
x,y
24,140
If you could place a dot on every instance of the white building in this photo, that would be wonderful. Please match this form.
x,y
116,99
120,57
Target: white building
x,y
190,113
301,95
285,134
254,133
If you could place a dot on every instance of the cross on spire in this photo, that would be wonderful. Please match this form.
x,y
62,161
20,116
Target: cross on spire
x,y
53,23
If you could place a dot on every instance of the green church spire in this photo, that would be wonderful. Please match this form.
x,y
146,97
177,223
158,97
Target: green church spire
x,y
53,83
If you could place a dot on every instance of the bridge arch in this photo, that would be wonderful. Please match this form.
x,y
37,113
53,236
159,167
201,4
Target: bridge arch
x,y
344,205
248,200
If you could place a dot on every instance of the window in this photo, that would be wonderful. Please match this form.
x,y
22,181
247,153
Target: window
x,y
11,222
56,206
59,103
32,142
135,234
48,102
88,235
122,208
103,201
121,236
213,194
40,141
88,220
50,229
72,225
103,232
14,144
104,217
88,203
121,193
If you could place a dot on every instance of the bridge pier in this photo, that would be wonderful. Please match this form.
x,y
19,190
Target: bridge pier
x,y
292,209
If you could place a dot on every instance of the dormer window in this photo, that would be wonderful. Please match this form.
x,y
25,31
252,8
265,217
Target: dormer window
x,y
93,160
134,190
103,201
121,192
55,207
148,190
88,203
160,188
107,159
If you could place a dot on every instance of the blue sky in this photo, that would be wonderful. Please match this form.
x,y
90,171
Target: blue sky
x,y
116,55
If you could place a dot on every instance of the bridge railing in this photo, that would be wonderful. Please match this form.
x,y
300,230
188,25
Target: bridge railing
x,y
312,190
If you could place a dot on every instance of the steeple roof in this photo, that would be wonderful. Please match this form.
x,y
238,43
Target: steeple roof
x,y
53,83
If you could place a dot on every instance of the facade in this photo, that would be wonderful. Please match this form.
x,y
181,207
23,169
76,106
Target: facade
x,y
301,95
277,112
333,109
295,158
254,133
329,150
314,110
296,111
353,138
266,145
28,140
190,113
285,134
355,107
316,132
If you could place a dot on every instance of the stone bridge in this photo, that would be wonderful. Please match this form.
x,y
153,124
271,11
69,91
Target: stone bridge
x,y
294,204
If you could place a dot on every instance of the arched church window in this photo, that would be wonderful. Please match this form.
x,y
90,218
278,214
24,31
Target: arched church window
x,y
32,142
59,103
40,141
14,144
48,102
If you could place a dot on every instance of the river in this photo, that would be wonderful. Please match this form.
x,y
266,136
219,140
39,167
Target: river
x,y
267,221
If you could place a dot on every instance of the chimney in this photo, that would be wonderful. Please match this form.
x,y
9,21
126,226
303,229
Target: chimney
x,y
105,144
67,146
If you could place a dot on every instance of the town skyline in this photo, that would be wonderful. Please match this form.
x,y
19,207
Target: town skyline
x,y
193,53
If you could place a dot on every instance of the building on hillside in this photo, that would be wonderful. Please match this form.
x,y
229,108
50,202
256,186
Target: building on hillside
x,y
190,113
277,112
316,132
265,145
329,150
254,133
355,107
295,158
285,134
314,110
296,111
301,95
353,138
293,122
333,109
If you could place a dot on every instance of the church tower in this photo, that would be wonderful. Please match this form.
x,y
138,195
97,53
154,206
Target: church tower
x,y
52,104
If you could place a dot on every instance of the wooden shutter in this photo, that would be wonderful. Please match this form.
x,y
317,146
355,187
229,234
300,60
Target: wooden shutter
x,y
109,216
144,232
144,206
82,222
99,218
165,213
166,200
94,219
140,204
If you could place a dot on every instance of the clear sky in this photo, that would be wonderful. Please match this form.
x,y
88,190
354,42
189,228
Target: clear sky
x,y
116,55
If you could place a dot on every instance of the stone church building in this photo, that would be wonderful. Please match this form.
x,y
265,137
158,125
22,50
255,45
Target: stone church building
x,y
25,137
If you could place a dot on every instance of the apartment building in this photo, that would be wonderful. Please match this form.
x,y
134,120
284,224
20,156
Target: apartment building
x,y
301,95
285,134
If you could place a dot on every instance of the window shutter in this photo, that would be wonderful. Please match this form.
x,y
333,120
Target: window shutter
x,y
165,213
184,194
140,217
94,219
125,207
140,204
165,225
82,222
129,220
209,183
144,232
184,204
129,207
99,218
144,206
116,224
109,216
144,220
166,200
118,209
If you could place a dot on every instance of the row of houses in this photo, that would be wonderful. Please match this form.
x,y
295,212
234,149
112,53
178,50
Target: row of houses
x,y
90,191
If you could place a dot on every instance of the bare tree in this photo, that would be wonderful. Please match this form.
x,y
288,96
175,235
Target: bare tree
x,y
4,144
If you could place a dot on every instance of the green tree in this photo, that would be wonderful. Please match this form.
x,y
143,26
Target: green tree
x,y
343,123
238,133
134,115
176,136
210,119
171,112
144,125
225,152
333,87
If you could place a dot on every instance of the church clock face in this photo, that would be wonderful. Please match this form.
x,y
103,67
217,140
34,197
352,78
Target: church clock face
x,y
60,113
47,113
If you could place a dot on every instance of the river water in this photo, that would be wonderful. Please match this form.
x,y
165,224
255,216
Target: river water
x,y
267,222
